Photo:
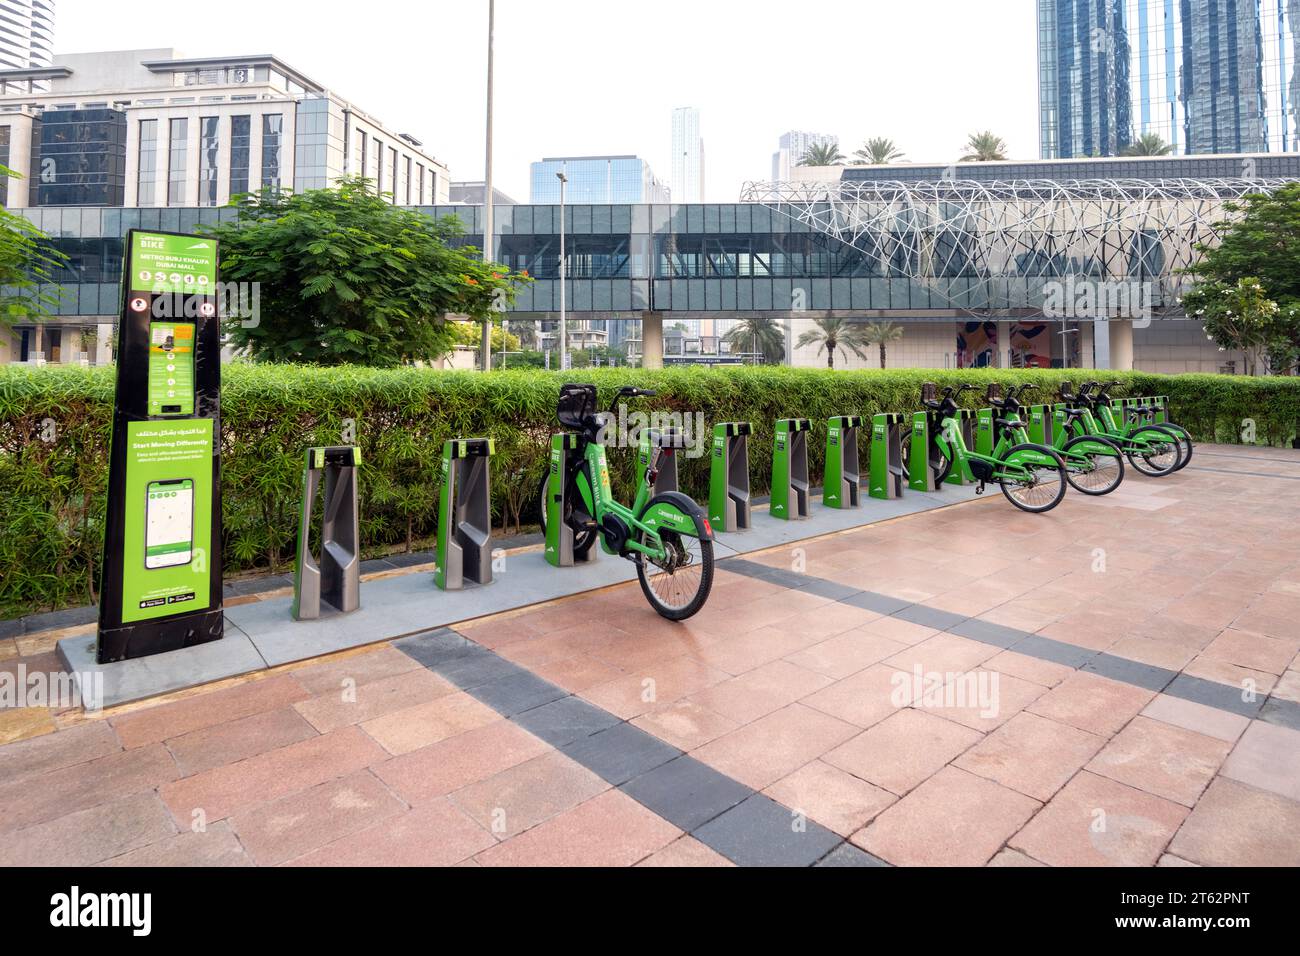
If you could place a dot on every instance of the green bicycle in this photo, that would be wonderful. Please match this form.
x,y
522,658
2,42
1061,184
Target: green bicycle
x,y
1145,414
667,535
1093,465
1032,477
1150,449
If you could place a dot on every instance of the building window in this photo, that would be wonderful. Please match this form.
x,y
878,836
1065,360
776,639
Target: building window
x,y
146,193
4,161
176,159
240,150
209,159
408,180
365,153
272,137
419,199
392,161
379,167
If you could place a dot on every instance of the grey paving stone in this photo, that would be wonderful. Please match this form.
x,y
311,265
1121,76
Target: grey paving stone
x,y
830,589
1213,694
477,668
621,753
880,603
1058,652
565,720
517,692
411,560
929,616
260,585
987,632
11,628
686,792
1284,713
376,564
433,648
846,854
761,832
1130,672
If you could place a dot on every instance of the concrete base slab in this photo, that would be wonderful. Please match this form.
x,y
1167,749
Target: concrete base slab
x,y
262,634
143,677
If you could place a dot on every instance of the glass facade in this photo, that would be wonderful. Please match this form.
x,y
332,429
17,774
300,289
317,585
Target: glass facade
x,y
318,134
209,159
177,149
740,258
78,158
272,144
596,179
146,187
1206,76
240,153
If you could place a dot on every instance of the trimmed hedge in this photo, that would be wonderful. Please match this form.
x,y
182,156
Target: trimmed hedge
x,y
55,430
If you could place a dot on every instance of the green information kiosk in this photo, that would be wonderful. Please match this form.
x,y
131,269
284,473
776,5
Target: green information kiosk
x,y
161,585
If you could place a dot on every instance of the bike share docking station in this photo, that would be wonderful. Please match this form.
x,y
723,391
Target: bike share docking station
x,y
335,578
887,473
667,442
562,549
729,502
842,487
465,514
790,469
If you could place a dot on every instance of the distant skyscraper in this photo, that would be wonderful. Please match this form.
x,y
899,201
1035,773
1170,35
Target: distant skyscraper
x,y
27,36
596,179
1207,76
791,148
688,156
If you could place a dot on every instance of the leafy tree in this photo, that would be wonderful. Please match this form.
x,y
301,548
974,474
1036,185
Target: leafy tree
x,y
880,151
471,334
1148,144
985,147
346,277
758,334
882,334
831,335
1261,245
822,154
1239,317
26,260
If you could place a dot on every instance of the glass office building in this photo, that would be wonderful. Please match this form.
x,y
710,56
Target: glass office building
x,y
596,179
1206,76
78,158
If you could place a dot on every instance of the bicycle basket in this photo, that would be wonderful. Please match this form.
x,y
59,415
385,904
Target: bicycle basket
x,y
576,406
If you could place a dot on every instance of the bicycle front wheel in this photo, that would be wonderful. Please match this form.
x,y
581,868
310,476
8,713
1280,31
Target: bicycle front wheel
x,y
940,464
1154,452
1092,472
1044,487
678,585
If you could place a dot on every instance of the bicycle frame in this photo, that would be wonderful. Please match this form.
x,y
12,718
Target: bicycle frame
x,y
591,478
1004,464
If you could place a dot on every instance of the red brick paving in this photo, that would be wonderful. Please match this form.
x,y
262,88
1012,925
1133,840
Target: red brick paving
x,y
367,758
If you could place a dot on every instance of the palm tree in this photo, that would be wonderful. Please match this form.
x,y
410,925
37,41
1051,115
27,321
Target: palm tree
x,y
822,154
879,152
760,335
1148,144
831,335
985,147
882,334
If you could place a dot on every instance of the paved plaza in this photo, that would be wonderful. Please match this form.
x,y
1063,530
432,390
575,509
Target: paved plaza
x,y
1113,683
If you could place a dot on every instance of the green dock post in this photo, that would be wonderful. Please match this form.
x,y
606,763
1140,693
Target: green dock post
x,y
790,469
966,423
920,477
842,487
984,440
887,476
1041,426
729,499
560,551
465,514
1162,409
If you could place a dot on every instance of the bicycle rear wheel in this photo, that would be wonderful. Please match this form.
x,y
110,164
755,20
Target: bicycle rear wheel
x,y
582,540
1093,473
677,586
940,464
1154,452
1042,490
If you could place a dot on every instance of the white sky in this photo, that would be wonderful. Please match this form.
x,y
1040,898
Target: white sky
x,y
578,77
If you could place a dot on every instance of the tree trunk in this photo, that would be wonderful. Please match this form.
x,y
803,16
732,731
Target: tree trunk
x,y
882,355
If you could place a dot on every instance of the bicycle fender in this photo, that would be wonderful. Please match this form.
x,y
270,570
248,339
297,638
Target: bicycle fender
x,y
674,511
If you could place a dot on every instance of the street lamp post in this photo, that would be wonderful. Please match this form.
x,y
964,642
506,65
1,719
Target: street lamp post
x,y
487,187
564,271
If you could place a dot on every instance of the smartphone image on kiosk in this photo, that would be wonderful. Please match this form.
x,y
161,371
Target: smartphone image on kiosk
x,y
169,523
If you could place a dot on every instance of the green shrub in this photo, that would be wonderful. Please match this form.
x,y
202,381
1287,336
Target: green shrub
x,y
55,430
